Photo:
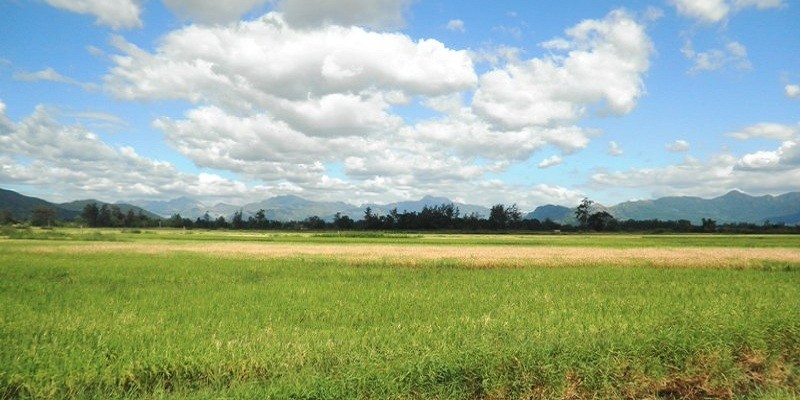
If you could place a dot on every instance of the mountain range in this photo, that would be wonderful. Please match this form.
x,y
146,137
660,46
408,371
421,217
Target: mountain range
x,y
734,206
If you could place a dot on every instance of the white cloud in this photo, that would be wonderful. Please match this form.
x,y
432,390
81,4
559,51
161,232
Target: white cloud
x,y
614,149
792,91
372,13
550,162
604,64
703,10
456,25
766,130
255,62
73,162
117,14
733,54
679,146
713,11
49,74
763,171
213,11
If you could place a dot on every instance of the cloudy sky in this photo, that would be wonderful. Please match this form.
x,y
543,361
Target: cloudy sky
x,y
483,102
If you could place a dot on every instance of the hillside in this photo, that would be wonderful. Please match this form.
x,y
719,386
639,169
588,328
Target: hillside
x,y
734,206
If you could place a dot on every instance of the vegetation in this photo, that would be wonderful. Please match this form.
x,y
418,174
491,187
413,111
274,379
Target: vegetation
x,y
268,315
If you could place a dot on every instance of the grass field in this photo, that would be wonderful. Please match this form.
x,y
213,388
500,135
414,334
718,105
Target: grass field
x,y
172,314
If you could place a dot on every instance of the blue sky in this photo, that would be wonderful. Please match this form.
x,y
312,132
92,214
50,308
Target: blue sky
x,y
361,101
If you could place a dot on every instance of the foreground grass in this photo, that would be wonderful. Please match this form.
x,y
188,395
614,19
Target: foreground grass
x,y
196,325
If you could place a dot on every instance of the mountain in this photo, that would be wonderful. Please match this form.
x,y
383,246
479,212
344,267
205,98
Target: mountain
x,y
78,205
294,208
734,206
170,207
418,205
560,214
22,206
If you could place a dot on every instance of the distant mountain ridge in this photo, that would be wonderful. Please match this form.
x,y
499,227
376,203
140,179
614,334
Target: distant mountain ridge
x,y
734,206
22,206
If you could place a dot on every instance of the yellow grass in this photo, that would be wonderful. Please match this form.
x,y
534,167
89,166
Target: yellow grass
x,y
472,256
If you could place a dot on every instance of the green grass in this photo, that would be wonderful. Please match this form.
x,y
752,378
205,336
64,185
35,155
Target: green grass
x,y
445,239
124,325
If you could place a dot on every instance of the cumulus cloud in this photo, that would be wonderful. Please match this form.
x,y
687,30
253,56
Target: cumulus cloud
x,y
372,13
602,61
550,162
713,11
75,161
614,149
213,11
763,171
258,61
117,14
456,25
679,146
792,91
733,54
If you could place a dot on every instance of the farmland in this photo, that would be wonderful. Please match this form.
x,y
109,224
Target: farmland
x,y
163,314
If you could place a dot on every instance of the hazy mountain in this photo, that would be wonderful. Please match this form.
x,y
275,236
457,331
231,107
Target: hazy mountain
x,y
78,206
560,214
294,208
734,206
22,206
418,205
170,207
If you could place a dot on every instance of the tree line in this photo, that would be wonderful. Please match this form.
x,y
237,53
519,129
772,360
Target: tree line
x,y
442,217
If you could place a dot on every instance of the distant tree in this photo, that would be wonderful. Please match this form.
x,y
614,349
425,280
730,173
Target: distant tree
x,y
601,221
90,214
709,225
104,216
343,222
220,223
237,222
583,211
314,223
43,216
371,220
260,219
513,216
498,218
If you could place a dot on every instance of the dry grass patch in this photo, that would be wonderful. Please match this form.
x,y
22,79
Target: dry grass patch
x,y
467,256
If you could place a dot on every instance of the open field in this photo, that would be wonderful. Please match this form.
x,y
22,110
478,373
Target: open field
x,y
168,314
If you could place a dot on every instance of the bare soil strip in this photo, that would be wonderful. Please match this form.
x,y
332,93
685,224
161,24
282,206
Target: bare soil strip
x,y
471,256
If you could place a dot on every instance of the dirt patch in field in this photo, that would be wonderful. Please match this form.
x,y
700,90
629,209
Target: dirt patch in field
x,y
472,256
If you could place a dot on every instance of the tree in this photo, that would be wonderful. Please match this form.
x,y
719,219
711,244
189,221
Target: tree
x,y
601,221
343,222
583,211
90,214
513,216
498,217
261,219
709,225
371,221
237,222
43,216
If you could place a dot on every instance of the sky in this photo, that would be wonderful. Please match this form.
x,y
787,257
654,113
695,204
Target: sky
x,y
526,102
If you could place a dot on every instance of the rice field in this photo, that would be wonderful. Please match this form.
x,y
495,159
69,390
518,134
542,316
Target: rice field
x,y
202,315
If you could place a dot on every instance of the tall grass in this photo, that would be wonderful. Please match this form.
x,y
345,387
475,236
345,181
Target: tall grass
x,y
126,325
